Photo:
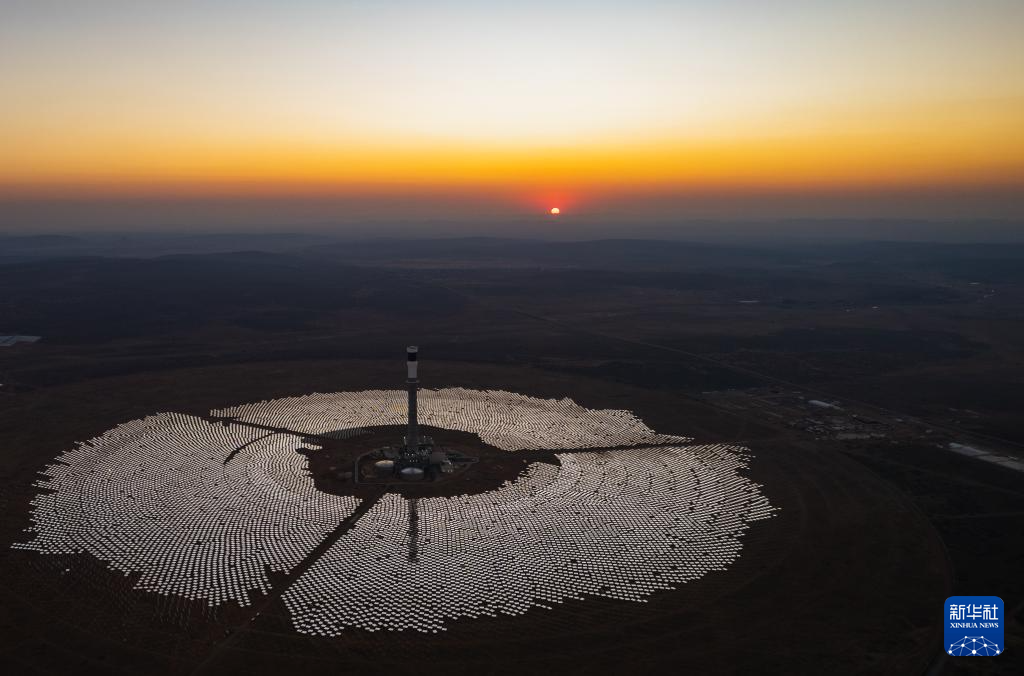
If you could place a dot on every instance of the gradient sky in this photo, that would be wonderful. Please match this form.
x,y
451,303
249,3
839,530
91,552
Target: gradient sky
x,y
391,109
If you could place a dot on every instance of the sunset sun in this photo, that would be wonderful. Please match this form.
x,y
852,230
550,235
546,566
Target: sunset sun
x,y
555,211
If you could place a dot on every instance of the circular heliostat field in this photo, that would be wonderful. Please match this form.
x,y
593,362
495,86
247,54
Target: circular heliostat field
x,y
210,508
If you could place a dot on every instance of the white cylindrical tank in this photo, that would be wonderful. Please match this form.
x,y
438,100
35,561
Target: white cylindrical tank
x,y
412,474
384,467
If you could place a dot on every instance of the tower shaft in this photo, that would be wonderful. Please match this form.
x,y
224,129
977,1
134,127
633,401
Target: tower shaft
x,y
412,382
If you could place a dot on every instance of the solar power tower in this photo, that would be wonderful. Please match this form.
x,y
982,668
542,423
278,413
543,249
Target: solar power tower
x,y
412,439
417,458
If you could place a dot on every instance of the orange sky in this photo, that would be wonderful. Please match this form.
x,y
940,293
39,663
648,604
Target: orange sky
x,y
553,101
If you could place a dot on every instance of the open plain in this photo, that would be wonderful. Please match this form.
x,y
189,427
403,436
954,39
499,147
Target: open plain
x,y
869,531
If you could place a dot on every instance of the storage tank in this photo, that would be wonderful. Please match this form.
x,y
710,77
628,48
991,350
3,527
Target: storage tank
x,y
384,467
412,474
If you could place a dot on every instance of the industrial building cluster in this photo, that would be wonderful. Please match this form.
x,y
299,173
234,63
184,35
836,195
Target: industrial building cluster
x,y
204,509
620,524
